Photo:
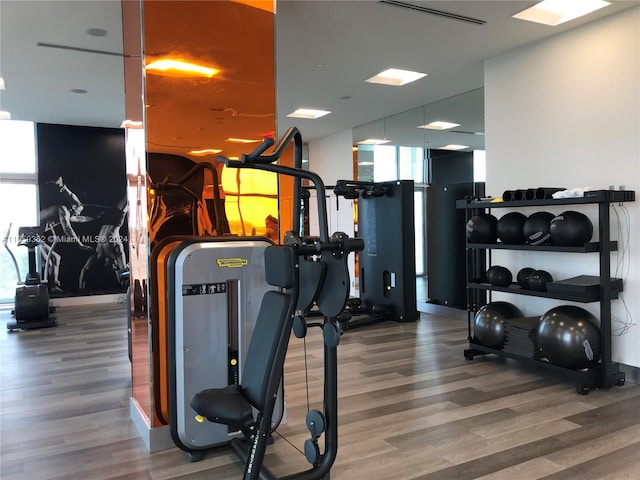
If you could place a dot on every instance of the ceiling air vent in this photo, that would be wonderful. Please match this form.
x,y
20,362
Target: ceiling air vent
x,y
432,11
78,49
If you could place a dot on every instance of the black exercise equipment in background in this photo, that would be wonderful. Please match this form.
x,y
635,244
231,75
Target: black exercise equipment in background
x,y
387,265
32,296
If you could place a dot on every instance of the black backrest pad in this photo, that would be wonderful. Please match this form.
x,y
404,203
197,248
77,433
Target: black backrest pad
x,y
279,265
265,350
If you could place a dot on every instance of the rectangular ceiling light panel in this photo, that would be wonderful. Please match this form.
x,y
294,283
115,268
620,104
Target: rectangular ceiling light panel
x,y
555,12
396,77
309,113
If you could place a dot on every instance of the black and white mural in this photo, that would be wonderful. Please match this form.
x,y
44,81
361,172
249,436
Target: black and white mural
x,y
83,209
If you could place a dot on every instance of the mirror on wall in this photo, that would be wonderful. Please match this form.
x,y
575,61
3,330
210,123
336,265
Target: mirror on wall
x,y
403,147
423,127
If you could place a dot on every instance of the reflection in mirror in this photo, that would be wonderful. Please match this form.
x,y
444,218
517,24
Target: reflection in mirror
x,y
417,128
399,147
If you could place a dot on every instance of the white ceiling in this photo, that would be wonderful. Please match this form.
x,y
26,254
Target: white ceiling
x,y
324,52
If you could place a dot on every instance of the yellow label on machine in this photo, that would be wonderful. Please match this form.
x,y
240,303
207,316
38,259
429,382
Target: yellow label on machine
x,y
232,262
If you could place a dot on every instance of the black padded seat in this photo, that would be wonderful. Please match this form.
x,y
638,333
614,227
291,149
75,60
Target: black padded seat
x,y
224,405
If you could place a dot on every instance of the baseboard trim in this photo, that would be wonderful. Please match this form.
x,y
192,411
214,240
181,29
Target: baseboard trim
x,y
116,298
441,310
632,374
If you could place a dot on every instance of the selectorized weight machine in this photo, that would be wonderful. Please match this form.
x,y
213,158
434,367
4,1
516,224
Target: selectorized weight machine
x,y
305,272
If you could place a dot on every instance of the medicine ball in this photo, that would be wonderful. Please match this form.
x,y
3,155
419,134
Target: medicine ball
x,y
510,228
523,277
482,229
488,326
571,229
538,280
499,276
536,228
569,336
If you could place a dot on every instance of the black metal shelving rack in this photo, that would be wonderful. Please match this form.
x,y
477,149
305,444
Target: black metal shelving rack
x,y
605,373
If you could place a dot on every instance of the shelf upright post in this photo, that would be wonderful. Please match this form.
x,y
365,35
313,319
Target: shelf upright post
x,y
605,293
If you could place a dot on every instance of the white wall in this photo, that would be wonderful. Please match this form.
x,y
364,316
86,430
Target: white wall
x,y
566,112
332,159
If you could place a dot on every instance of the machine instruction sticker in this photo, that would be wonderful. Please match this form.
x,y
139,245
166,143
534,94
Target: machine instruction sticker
x,y
232,262
204,289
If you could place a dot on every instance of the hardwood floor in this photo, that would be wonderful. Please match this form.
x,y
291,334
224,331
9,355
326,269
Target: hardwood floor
x,y
411,407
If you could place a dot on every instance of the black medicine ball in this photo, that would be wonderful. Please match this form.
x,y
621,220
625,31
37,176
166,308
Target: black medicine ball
x,y
536,228
510,228
571,229
499,276
523,277
482,229
538,280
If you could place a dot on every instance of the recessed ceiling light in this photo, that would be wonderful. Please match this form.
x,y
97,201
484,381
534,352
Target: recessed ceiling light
x,y
178,68
453,147
308,113
555,12
97,32
396,77
2,83
205,151
439,125
78,90
373,141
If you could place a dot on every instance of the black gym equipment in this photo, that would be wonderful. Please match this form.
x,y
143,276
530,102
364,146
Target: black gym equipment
x,y
482,228
488,323
571,229
326,259
32,307
523,277
509,229
539,193
536,228
538,280
569,336
499,276
386,266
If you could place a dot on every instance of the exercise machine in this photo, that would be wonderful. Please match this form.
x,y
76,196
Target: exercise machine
x,y
321,263
213,286
31,308
386,266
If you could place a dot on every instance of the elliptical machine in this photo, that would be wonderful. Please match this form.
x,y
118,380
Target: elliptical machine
x,y
31,308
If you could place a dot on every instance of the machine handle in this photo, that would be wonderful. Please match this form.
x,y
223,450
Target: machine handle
x,y
256,155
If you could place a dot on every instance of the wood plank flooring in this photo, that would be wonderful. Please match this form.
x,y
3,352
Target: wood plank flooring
x,y
411,407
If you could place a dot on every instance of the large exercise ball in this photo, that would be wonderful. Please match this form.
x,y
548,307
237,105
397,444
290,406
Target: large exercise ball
x,y
569,336
571,229
523,277
499,276
488,323
538,280
536,228
482,229
510,228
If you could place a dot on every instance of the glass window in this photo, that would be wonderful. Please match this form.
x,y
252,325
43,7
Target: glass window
x,y
17,147
384,163
419,216
412,164
479,166
23,212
